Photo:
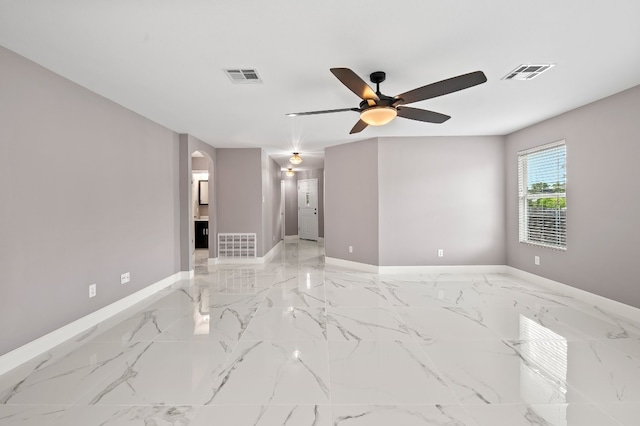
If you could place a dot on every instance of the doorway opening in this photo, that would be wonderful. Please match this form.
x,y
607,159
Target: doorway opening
x,y
308,209
201,246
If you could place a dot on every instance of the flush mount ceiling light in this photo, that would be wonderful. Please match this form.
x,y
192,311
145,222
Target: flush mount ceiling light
x,y
295,159
290,172
378,115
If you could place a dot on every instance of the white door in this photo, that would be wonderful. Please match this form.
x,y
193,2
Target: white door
x,y
308,209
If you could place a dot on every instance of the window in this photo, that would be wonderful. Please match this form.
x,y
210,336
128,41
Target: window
x,y
542,181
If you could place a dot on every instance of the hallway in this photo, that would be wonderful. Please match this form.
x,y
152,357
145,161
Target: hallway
x,y
297,342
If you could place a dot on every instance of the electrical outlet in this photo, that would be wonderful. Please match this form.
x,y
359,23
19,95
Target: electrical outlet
x,y
350,249
536,260
92,290
125,278
440,253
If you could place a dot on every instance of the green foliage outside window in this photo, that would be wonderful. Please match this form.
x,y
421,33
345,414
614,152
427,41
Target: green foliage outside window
x,y
548,203
545,188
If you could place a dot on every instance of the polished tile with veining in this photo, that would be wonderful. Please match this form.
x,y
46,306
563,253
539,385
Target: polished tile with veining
x,y
385,372
298,342
273,372
292,323
163,373
537,414
494,372
366,323
405,415
264,415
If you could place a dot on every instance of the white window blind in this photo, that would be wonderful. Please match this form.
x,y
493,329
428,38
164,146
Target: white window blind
x,y
542,181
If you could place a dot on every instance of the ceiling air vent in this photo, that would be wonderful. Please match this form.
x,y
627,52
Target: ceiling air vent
x,y
243,76
527,71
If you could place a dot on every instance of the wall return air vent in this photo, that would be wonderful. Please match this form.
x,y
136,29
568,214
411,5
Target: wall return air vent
x,y
243,76
527,71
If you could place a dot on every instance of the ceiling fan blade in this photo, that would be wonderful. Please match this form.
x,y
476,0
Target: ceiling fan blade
x,y
422,115
443,87
360,126
354,83
326,111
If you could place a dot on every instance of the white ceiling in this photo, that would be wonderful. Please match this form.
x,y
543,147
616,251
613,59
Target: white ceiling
x,y
164,59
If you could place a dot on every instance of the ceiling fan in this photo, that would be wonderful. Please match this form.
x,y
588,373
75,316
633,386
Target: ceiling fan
x,y
377,109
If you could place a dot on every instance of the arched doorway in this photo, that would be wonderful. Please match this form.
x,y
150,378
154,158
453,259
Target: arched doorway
x,y
188,197
202,207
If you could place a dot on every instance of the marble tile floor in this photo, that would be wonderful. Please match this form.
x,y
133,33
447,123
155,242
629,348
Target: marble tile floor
x,y
297,342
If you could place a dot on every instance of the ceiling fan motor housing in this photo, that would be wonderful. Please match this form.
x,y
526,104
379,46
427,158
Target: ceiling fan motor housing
x,y
378,77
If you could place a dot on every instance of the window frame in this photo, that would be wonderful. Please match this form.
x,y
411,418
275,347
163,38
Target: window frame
x,y
524,196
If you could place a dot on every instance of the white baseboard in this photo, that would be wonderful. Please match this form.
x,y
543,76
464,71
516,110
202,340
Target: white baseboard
x,y
272,253
363,267
443,269
28,351
606,304
296,237
440,269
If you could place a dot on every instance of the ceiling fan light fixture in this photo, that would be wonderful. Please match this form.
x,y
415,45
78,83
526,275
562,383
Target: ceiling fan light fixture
x,y
290,172
378,115
296,159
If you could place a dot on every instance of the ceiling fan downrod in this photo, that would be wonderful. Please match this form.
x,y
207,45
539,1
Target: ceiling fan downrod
x,y
378,77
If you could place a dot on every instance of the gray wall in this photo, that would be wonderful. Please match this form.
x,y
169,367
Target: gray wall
x,y
271,193
199,163
603,205
291,199
290,204
239,191
351,201
248,194
89,190
441,193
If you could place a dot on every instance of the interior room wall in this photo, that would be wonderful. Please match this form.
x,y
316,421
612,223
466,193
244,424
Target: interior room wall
x,y
105,181
351,201
271,193
603,205
239,192
199,163
290,205
441,193
199,210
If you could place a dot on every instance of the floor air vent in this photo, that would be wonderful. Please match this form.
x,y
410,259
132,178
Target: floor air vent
x,y
237,246
243,76
527,71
